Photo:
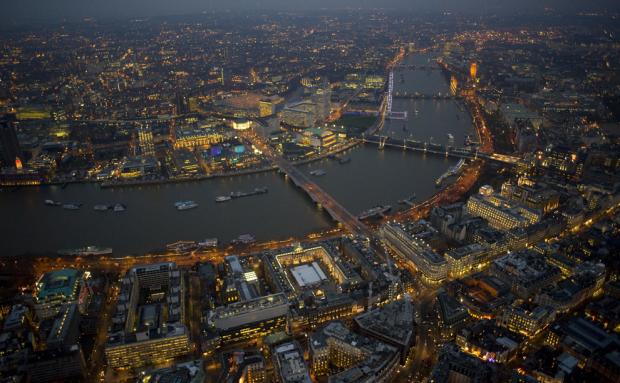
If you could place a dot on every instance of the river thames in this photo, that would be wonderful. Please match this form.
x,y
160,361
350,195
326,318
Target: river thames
x,y
372,177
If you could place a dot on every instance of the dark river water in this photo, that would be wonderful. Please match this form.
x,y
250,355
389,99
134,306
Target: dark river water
x,y
150,222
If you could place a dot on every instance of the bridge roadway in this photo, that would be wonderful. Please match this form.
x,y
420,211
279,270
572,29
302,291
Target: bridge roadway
x,y
424,147
348,220
326,201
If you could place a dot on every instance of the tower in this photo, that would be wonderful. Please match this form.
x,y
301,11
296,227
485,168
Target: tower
x,y
8,139
145,138
473,70
322,100
454,84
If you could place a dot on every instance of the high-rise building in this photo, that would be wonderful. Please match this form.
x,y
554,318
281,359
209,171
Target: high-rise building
x,y
473,70
8,140
322,100
145,137
454,85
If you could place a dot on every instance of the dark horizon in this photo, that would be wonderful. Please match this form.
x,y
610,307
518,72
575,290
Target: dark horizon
x,y
28,11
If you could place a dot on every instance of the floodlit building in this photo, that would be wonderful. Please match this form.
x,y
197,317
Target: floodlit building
x,y
432,266
356,358
500,212
145,138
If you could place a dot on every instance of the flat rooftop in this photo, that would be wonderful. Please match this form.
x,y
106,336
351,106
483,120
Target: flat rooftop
x,y
308,274
58,283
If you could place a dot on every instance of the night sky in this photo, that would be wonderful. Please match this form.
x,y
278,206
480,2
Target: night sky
x,y
24,11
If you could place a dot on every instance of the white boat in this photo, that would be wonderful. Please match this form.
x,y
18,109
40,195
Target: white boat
x,y
185,205
243,239
182,246
50,202
374,212
119,207
71,206
318,172
101,207
223,198
88,250
209,242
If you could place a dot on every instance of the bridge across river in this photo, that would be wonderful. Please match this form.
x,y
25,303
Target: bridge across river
x,y
322,198
439,149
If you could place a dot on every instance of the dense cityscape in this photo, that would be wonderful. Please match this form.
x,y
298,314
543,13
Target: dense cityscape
x,y
385,196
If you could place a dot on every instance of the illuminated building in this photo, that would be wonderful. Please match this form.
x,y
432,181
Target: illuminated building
x,y
145,137
532,196
529,322
432,266
317,137
8,140
374,82
241,124
355,357
501,213
289,364
147,327
467,259
24,177
452,315
242,321
254,369
454,84
473,70
456,366
269,106
487,341
58,288
185,162
135,167
191,138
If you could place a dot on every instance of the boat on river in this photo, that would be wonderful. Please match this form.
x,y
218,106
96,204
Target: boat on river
x,y
86,251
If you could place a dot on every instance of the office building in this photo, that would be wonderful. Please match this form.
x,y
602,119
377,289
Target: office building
x,y
393,323
526,272
188,372
526,319
242,321
300,114
148,327
322,101
467,259
489,342
57,288
145,138
501,213
354,358
289,364
433,267
453,365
